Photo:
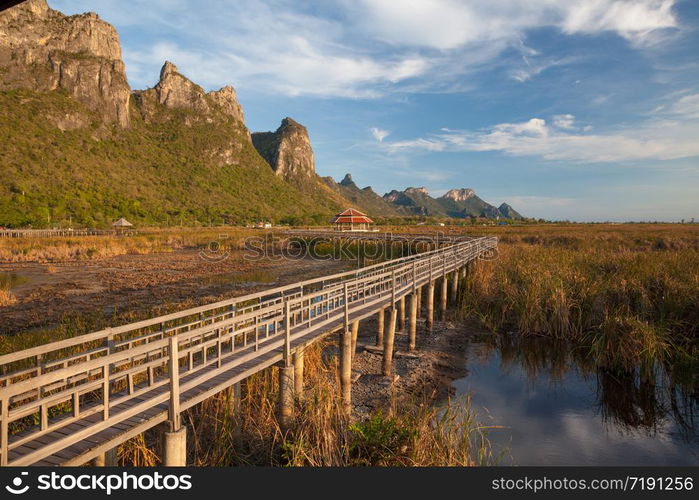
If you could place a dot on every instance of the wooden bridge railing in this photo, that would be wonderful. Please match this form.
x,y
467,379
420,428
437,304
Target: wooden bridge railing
x,y
51,233
104,378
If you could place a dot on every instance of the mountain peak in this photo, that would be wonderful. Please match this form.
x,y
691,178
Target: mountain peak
x,y
347,181
415,190
287,150
508,212
39,8
290,122
168,68
44,50
462,194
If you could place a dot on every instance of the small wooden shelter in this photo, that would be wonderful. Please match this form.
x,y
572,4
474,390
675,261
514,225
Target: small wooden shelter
x,y
121,224
351,220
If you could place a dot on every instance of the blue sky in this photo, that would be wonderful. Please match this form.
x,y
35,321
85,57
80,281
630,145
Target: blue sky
x,y
581,110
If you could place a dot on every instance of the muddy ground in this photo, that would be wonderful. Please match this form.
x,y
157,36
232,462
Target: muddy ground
x,y
420,377
141,284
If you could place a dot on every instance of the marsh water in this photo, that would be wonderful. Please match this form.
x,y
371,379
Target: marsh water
x,y
549,406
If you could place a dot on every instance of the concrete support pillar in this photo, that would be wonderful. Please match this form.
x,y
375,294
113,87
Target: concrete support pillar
x,y
106,459
380,320
285,405
443,303
388,342
175,448
298,374
412,336
454,286
401,314
430,305
346,370
355,334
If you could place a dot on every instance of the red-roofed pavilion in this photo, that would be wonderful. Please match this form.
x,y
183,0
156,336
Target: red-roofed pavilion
x,y
351,220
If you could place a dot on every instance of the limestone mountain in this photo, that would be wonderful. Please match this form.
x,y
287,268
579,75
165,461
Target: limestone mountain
x,y
44,50
363,198
458,203
176,91
288,151
415,201
289,154
79,146
509,213
465,203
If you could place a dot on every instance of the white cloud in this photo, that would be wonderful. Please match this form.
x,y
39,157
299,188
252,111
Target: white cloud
x,y
379,134
653,139
413,22
687,106
637,21
566,121
359,49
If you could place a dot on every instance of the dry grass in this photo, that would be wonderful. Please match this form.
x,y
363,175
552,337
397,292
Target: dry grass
x,y
7,298
409,434
62,249
629,293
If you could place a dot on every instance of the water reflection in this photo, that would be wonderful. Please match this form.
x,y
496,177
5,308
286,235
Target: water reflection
x,y
559,408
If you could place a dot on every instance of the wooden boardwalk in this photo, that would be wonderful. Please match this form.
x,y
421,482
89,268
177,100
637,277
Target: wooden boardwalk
x,y
52,233
67,402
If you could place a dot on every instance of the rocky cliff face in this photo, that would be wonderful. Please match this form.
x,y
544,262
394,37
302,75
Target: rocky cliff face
x,y
288,151
176,91
219,109
459,194
417,190
42,49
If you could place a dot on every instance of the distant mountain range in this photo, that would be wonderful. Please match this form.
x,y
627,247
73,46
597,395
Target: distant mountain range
x,y
458,203
80,146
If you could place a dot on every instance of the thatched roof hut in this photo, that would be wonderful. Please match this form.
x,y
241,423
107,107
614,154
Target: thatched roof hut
x,y
121,223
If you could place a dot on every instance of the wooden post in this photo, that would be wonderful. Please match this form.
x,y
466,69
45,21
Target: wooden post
x,y
174,366
355,333
401,314
107,459
379,327
233,400
413,322
346,370
454,286
298,373
443,303
285,404
287,334
4,434
419,301
388,343
346,361
430,305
